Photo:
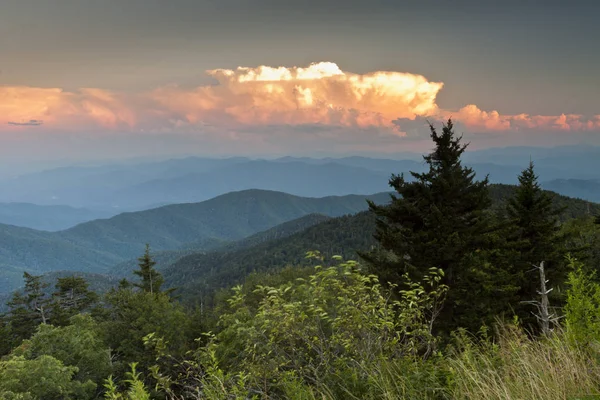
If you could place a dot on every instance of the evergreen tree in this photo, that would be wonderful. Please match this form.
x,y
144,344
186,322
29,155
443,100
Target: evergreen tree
x,y
71,297
441,219
28,308
151,279
535,236
37,300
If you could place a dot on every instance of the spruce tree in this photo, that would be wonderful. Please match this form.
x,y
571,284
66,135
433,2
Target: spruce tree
x,y
28,308
71,297
151,280
440,219
535,236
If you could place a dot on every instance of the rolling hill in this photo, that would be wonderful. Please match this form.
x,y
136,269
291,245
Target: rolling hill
x,y
98,245
587,189
184,229
46,218
23,249
202,273
168,257
228,217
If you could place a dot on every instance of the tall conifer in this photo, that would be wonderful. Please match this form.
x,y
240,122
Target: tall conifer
x,y
151,279
441,219
535,235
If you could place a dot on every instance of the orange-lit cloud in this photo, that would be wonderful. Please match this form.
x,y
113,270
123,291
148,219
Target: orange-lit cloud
x,y
476,119
319,94
19,106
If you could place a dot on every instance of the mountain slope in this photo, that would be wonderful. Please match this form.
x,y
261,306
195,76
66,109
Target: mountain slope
x,y
587,189
46,218
98,245
205,272
23,249
574,207
168,257
228,217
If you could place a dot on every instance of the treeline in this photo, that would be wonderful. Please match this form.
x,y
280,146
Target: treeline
x,y
454,297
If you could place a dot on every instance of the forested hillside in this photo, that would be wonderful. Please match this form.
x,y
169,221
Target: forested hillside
x,y
206,272
588,189
228,217
165,258
98,245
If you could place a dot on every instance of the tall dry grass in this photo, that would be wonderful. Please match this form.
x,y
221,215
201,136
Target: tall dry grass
x,y
519,368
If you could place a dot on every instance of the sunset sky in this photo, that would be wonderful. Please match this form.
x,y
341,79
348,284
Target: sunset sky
x,y
112,78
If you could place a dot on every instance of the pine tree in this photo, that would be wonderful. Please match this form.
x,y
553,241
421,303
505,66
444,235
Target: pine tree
x,y
28,308
71,297
441,219
37,301
151,279
535,236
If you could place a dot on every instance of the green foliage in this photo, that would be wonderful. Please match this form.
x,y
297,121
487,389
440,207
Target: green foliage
x,y
131,315
582,310
27,309
136,389
43,378
78,344
324,331
330,333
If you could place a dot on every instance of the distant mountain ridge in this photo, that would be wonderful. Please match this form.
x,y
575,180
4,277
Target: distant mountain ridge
x,y
46,218
132,187
587,189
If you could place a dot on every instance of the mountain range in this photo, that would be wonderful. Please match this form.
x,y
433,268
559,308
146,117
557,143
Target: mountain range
x,y
97,219
98,245
115,188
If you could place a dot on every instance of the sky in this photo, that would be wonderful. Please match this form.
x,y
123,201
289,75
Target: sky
x,y
88,79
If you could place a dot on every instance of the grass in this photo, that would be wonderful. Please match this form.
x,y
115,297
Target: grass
x,y
519,368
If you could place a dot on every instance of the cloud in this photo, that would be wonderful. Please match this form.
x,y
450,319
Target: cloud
x,y
320,95
31,122
476,119
66,110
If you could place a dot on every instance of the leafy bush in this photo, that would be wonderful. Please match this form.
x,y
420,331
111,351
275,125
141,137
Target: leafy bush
x,y
78,344
42,378
327,331
582,310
